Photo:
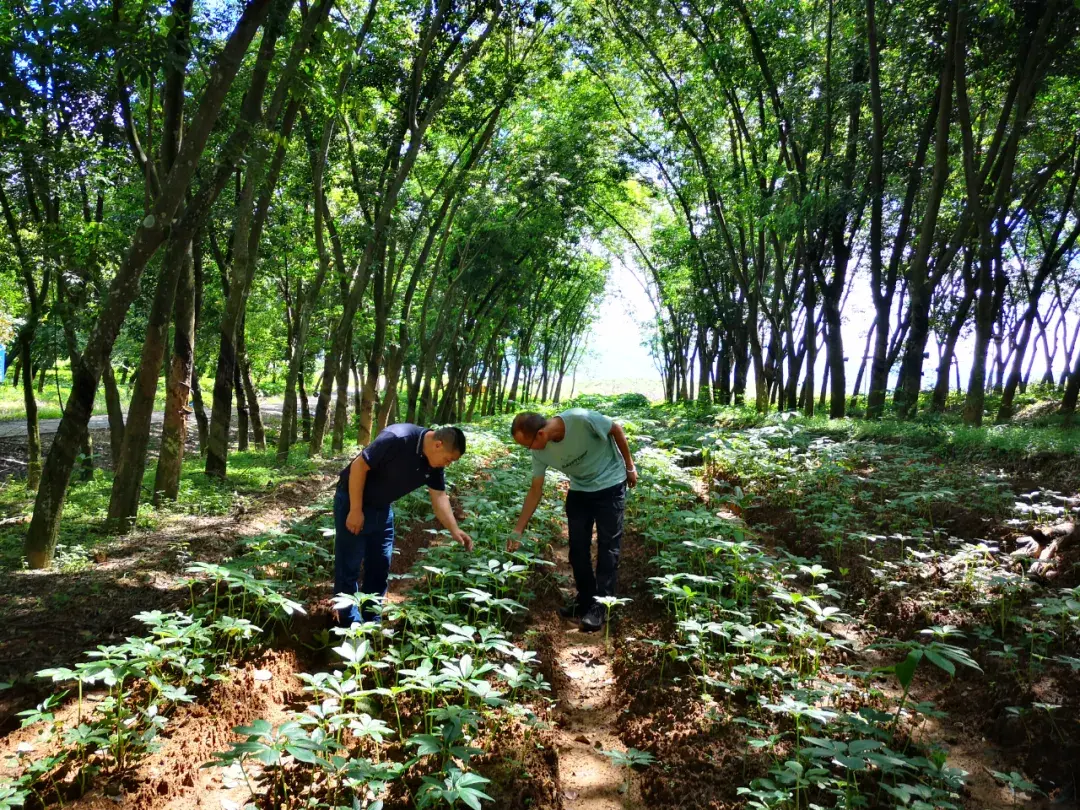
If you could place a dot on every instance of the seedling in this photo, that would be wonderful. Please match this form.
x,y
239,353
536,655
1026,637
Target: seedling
x,y
609,602
628,760
456,786
1016,783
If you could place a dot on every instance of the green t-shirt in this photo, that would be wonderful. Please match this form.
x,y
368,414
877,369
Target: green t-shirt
x,y
587,453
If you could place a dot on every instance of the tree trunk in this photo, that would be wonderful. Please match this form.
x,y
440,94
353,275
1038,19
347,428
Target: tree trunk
x,y
341,402
115,408
862,367
131,465
357,389
178,387
991,285
33,434
394,361
199,407
742,365
1072,392
375,358
305,408
241,414
258,431
65,311
835,358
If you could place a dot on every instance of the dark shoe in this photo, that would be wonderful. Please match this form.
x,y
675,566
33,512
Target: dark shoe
x,y
571,611
593,619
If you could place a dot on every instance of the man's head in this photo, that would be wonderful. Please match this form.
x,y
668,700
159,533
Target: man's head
x,y
528,430
443,446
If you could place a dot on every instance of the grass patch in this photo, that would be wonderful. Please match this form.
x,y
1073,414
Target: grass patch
x,y
250,474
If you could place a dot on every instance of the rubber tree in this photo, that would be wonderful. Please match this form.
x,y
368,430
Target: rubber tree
x,y
148,236
422,101
261,176
127,483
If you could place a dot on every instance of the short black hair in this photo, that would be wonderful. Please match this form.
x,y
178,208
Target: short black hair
x,y
451,437
528,424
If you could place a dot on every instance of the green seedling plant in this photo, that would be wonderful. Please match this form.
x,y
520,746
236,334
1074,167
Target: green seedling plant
x,y
269,745
610,602
456,786
628,760
942,655
12,795
1016,783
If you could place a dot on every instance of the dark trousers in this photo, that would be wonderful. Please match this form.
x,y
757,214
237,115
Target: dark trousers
x,y
372,549
604,509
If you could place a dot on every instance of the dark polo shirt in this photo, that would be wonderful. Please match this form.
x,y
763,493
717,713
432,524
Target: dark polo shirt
x,y
398,466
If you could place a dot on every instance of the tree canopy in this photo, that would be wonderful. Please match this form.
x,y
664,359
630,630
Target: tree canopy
x,y
418,202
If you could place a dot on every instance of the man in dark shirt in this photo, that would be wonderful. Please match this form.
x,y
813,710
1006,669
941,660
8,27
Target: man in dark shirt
x,y
401,459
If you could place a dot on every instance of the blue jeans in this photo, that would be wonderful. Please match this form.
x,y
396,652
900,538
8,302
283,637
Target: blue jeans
x,y
372,548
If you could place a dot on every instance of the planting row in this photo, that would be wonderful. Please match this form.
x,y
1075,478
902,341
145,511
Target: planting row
x,y
764,637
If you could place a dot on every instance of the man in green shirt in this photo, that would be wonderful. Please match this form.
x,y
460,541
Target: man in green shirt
x,y
591,450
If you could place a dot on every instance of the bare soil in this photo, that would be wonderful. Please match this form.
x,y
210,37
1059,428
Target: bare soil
x,y
47,618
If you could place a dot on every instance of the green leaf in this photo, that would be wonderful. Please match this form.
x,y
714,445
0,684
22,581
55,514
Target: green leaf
x,y
302,754
941,661
905,670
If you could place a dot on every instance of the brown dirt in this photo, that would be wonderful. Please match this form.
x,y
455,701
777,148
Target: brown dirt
x,y
47,618
173,777
699,763
980,733
580,667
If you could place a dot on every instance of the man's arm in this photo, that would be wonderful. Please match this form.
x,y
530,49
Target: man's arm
x,y
619,435
532,500
358,471
440,505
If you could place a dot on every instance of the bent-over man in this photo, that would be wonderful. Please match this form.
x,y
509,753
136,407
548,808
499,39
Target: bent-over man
x,y
591,449
402,458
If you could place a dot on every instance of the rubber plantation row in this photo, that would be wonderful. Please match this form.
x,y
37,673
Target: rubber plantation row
x,y
755,675
399,713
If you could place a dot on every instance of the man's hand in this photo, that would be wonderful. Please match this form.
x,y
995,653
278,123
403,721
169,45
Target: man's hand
x,y
513,542
462,538
355,521
631,477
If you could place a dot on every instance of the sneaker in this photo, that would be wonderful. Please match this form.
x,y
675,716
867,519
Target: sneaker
x,y
593,619
571,611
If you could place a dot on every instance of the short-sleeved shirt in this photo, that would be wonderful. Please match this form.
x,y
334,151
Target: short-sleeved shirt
x,y
398,466
587,453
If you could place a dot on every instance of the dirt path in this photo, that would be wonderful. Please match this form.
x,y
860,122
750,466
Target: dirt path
x,y
588,707
15,429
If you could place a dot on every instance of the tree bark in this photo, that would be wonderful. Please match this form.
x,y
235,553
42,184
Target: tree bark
x,y
178,386
131,465
115,410
241,413
341,403
258,431
41,536
33,434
